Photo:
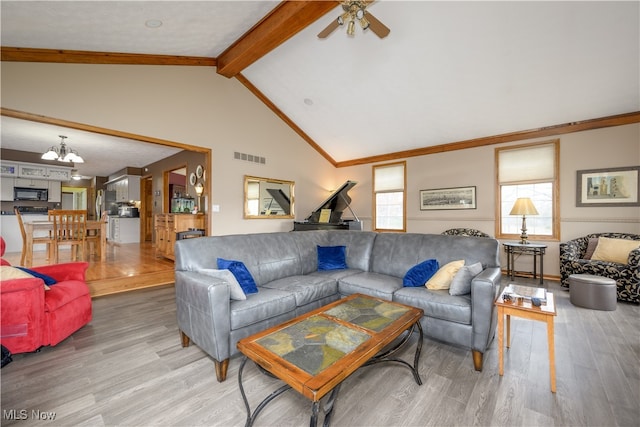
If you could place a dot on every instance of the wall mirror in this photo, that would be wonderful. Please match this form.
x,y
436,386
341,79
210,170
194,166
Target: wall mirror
x,y
268,198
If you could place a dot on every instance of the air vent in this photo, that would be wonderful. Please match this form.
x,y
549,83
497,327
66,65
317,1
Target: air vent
x,y
249,158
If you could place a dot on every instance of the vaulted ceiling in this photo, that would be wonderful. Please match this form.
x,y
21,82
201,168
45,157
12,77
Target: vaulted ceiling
x,y
450,74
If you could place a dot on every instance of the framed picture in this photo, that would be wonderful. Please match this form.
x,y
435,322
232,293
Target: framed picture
x,y
448,198
608,187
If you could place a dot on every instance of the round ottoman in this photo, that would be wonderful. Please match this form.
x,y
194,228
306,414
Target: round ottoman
x,y
589,291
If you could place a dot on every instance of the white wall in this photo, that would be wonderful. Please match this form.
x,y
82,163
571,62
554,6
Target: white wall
x,y
595,149
196,106
192,105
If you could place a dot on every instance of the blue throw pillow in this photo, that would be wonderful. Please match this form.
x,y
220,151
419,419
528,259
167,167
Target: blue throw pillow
x,y
332,258
48,280
241,274
419,274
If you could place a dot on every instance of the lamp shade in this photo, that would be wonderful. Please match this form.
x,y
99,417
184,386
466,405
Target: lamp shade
x,y
523,206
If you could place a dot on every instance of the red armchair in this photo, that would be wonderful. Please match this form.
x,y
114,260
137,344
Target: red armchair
x,y
32,317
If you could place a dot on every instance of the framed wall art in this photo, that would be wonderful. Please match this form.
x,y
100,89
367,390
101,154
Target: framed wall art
x,y
608,187
448,198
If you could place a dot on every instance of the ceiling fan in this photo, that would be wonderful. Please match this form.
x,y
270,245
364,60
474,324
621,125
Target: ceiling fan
x,y
356,10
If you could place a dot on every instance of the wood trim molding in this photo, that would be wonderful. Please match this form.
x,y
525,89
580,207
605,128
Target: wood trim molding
x,y
610,121
242,79
103,131
285,21
23,54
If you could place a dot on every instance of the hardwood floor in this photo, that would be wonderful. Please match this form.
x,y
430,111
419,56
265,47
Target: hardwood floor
x,y
127,368
127,266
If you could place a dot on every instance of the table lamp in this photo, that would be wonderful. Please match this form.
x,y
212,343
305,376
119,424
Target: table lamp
x,y
524,206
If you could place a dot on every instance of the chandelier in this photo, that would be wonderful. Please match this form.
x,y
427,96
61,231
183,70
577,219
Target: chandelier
x,y
62,154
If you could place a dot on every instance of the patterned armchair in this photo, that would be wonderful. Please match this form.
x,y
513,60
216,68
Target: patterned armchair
x,y
627,276
465,232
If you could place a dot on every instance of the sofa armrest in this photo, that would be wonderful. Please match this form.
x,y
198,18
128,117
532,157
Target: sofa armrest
x,y
573,249
484,291
22,314
634,259
203,311
64,271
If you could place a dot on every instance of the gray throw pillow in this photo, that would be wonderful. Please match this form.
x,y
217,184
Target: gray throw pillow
x,y
461,283
236,290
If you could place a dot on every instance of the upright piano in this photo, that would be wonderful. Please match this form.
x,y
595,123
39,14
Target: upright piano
x,y
328,216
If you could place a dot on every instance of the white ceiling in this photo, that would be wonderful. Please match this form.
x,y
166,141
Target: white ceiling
x,y
448,72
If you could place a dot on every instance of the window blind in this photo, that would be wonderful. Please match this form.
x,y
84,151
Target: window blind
x,y
389,178
534,163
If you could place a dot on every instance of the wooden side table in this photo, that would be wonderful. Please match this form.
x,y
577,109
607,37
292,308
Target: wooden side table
x,y
526,310
535,249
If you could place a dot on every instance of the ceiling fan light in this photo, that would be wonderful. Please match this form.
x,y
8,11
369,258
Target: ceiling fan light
x,y
364,23
351,28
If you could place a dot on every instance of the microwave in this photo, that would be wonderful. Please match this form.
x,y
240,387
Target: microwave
x,y
28,193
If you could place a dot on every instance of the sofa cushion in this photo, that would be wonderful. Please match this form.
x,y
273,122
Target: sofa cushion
x,y
332,257
437,303
592,244
444,276
48,280
234,287
306,289
461,283
373,284
8,272
614,250
241,273
420,273
266,304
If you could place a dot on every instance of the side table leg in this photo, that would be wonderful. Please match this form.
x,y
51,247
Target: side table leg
x,y
500,341
552,357
508,330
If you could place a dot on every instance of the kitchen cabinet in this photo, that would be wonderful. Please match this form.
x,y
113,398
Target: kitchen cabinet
x,y
31,183
124,230
55,191
126,188
59,174
34,171
9,169
166,227
6,194
26,170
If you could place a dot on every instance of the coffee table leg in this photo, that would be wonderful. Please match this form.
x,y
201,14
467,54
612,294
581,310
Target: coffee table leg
x,y
244,396
252,417
328,411
385,357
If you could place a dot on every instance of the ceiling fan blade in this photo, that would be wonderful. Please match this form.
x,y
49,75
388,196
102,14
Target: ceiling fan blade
x,y
330,28
376,26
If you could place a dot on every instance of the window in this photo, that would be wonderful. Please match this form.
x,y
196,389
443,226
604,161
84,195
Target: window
x,y
389,184
528,171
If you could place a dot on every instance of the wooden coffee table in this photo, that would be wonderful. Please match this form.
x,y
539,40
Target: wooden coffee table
x,y
315,352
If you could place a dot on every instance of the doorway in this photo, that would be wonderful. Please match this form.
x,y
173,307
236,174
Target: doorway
x,y
146,208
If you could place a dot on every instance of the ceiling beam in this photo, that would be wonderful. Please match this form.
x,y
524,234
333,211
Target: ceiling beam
x,y
23,54
286,20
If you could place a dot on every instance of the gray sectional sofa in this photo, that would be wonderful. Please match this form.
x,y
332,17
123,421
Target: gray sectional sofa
x,y
285,269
